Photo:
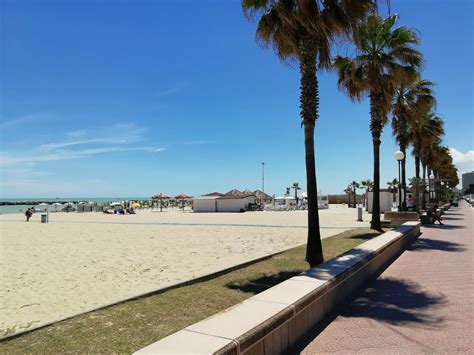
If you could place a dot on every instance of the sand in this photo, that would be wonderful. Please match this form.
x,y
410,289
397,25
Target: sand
x,y
83,261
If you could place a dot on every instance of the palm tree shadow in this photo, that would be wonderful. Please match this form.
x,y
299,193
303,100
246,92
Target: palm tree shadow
x,y
425,244
391,301
442,226
397,302
365,236
263,283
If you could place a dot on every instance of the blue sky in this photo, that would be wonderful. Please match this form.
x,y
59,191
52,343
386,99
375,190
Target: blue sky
x,y
131,98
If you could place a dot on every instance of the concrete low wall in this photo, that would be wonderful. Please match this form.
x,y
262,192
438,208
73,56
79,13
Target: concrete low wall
x,y
271,321
398,218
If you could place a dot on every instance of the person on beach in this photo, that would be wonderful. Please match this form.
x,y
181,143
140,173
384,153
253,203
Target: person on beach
x,y
28,214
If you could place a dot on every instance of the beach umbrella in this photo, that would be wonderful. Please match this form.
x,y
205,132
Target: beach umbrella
x,y
43,204
161,196
182,197
136,204
56,204
115,204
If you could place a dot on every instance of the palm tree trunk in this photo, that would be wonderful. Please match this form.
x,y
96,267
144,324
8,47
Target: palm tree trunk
x,y
423,197
309,100
417,179
403,149
376,130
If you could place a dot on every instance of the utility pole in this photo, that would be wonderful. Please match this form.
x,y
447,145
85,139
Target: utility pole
x,y
263,176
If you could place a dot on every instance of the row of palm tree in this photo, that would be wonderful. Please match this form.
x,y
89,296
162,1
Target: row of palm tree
x,y
352,188
386,59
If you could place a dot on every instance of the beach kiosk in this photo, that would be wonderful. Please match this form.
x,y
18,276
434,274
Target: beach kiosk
x,y
225,203
205,204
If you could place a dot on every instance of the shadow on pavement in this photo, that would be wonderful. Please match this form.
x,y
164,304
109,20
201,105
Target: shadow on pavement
x,y
452,218
393,301
424,244
397,302
442,226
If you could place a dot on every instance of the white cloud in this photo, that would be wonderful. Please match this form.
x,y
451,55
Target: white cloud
x,y
4,124
168,92
29,158
463,161
197,142
54,146
77,134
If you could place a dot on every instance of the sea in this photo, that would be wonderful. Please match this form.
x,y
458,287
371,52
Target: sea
x,y
22,208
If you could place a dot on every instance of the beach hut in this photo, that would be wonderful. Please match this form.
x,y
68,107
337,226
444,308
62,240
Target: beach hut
x,y
205,204
235,203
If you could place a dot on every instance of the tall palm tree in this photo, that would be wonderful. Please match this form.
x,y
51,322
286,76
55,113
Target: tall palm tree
x,y
384,56
411,100
303,31
428,129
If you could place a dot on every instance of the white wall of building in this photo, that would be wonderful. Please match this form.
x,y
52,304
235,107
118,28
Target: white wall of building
x,y
234,204
204,204
386,201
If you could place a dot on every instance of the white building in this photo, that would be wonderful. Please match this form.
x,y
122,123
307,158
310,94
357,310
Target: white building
x,y
237,203
230,203
205,204
386,201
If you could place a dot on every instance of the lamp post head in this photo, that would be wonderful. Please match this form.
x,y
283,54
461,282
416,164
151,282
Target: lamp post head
x,y
442,183
399,155
432,176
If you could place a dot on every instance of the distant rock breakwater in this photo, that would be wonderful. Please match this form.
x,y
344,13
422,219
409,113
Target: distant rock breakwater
x,y
15,203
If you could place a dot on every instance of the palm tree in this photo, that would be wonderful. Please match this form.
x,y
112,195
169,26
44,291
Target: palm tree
x,y
303,31
411,100
384,56
368,185
428,129
393,186
353,186
348,191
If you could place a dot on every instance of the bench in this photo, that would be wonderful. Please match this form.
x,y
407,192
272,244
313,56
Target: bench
x,y
425,219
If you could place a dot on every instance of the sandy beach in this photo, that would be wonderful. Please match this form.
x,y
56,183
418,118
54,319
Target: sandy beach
x,y
82,261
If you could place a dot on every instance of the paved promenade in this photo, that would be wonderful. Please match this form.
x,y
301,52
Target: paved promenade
x,y
423,303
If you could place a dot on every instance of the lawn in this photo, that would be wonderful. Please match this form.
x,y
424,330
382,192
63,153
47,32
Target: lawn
x,y
129,326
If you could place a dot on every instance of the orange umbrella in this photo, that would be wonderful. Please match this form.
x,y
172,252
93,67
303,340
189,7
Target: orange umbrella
x,y
181,196
160,196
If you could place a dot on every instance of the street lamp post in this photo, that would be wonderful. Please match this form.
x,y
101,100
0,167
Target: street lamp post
x,y
263,176
399,156
431,189
442,191
296,187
